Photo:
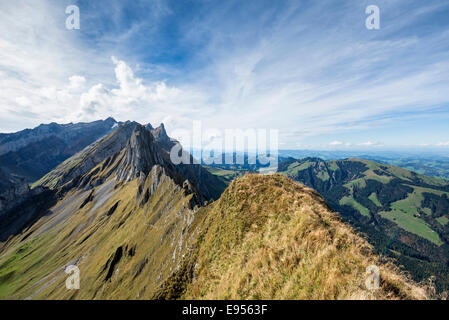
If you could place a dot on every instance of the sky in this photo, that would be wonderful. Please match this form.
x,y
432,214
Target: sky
x,y
310,69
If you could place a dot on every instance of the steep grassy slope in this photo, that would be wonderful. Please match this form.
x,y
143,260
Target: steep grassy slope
x,y
382,199
226,175
124,224
122,248
270,238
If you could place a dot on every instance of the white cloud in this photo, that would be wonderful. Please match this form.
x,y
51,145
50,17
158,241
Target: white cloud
x,y
38,55
370,144
47,73
336,143
23,101
133,99
360,144
77,83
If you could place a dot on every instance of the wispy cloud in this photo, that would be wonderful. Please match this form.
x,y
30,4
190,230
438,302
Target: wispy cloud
x,y
370,144
308,68
341,144
38,59
336,143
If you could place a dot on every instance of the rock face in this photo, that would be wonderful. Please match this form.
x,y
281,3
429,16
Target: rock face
x,y
143,151
160,135
130,151
140,155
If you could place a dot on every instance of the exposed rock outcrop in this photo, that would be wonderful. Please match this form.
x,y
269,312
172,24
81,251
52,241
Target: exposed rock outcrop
x,y
160,135
140,155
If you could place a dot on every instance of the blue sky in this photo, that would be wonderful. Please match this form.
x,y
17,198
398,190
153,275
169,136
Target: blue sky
x,y
310,69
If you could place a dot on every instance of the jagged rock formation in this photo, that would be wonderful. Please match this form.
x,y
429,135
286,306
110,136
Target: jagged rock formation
x,y
162,138
146,148
140,155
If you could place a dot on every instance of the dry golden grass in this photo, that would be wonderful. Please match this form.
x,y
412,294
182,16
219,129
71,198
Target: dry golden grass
x,y
271,238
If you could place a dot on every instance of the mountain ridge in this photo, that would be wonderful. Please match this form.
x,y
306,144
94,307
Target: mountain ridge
x,y
13,141
252,247
141,227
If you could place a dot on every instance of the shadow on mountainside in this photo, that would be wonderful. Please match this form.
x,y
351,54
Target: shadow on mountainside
x,y
20,218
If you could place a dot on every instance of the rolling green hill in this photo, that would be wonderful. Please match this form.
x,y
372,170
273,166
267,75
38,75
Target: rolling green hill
x,y
437,166
380,199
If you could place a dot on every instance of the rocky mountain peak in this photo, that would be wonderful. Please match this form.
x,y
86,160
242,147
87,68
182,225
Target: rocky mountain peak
x,y
140,155
160,135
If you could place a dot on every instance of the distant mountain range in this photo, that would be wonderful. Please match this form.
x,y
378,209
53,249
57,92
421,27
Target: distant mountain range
x,y
27,155
31,153
432,163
